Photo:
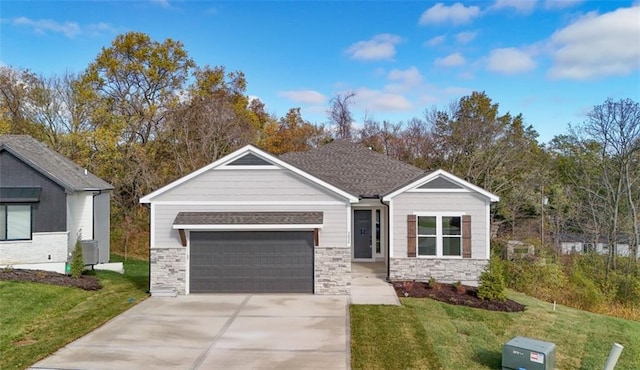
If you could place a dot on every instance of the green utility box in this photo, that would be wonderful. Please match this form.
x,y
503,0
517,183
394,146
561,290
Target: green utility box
x,y
522,353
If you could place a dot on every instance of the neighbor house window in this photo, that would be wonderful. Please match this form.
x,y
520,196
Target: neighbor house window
x,y
439,236
15,222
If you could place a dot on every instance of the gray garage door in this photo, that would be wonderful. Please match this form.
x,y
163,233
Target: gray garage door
x,y
251,262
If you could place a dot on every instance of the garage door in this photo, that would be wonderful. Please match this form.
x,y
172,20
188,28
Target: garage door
x,y
251,262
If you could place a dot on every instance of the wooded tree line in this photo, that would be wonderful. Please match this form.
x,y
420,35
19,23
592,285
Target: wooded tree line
x,y
143,113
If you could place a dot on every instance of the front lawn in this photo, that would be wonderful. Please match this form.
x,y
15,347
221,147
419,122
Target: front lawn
x,y
36,319
427,334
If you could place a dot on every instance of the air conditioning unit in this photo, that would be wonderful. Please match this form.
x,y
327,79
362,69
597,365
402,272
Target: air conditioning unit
x,y
522,353
89,251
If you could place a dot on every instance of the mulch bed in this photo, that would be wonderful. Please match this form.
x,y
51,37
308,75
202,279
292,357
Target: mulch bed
x,y
48,277
463,295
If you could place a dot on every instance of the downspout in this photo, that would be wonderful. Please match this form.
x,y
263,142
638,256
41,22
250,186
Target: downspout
x,y
388,259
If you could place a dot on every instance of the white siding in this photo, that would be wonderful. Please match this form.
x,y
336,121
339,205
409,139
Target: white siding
x,y
247,185
42,248
471,204
79,216
333,233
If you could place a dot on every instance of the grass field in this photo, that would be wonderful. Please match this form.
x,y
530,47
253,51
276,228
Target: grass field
x,y
426,334
37,319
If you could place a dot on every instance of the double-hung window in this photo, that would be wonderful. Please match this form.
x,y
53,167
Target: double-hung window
x,y
15,222
439,235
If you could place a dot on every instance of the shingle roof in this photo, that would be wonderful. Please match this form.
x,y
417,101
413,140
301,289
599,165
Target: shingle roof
x,y
354,168
248,218
52,164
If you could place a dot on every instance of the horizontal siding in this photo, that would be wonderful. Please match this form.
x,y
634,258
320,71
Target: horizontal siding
x,y
467,203
247,185
79,216
333,233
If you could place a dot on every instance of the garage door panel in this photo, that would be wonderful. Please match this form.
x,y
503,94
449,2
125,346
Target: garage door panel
x,y
251,262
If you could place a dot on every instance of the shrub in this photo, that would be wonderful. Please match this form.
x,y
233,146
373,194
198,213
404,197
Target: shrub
x,y
585,294
77,261
492,284
433,283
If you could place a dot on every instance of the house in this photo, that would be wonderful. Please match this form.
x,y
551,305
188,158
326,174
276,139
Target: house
x,y
47,202
255,222
580,243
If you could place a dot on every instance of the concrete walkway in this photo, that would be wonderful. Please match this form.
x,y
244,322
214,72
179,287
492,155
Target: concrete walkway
x,y
216,331
368,284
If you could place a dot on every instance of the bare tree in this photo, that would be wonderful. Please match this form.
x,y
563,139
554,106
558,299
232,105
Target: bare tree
x,y
340,115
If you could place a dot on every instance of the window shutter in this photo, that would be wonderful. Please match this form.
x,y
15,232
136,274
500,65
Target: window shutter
x,y
466,236
411,235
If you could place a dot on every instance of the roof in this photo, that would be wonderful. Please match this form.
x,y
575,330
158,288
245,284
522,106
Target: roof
x,y
354,168
248,218
52,164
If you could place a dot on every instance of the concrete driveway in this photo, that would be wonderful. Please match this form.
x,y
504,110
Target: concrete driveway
x,y
216,331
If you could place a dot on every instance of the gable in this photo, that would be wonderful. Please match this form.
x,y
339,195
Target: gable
x,y
249,159
440,183
249,174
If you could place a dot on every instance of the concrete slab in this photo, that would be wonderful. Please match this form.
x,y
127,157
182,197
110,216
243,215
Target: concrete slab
x,y
372,290
285,333
294,305
228,359
233,331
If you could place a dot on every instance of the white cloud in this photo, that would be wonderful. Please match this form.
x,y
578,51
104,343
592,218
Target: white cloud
x,y
437,40
560,4
597,45
451,60
455,14
509,61
381,101
381,46
408,77
466,37
520,6
69,29
304,96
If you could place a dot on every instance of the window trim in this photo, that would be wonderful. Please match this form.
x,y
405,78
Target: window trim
x,y
439,236
5,209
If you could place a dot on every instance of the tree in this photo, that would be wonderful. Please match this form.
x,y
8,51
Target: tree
x,y
292,133
340,115
129,90
496,152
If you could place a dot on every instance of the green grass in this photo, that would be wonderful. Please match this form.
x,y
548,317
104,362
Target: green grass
x,y
426,334
37,319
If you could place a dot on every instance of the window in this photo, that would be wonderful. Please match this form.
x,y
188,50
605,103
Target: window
x,y
15,222
439,236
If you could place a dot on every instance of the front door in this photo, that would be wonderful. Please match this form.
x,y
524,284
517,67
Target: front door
x,y
362,234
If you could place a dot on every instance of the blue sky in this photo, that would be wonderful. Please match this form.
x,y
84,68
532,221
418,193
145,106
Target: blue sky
x,y
552,61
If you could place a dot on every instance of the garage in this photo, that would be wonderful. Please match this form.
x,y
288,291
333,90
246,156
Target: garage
x,y
251,262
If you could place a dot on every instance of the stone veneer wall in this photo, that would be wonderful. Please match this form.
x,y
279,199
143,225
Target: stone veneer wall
x,y
168,268
465,270
332,270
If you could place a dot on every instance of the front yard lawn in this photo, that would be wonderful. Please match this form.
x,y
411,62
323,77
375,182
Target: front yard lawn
x,y
427,334
37,319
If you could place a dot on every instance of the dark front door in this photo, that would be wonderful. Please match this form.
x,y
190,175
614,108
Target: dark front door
x,y
251,262
362,233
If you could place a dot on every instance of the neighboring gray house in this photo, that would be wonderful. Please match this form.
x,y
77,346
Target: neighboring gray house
x,y
255,222
45,201
581,243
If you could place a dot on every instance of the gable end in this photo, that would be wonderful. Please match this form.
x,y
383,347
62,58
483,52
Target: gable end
x,y
249,159
440,183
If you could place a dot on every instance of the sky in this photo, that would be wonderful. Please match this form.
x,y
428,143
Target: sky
x,y
550,60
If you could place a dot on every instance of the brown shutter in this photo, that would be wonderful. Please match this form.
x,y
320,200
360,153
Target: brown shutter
x,y
411,235
466,236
